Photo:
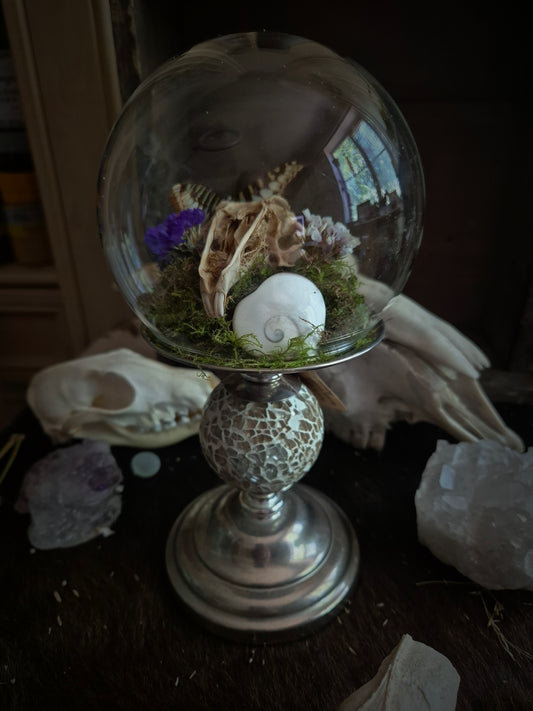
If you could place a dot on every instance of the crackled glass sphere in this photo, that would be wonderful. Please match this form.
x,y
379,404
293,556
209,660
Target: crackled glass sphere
x,y
260,202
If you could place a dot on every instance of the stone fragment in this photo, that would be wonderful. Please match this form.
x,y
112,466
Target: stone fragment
x,y
474,510
72,495
413,677
145,464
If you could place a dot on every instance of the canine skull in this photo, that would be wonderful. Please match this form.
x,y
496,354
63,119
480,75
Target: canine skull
x,y
238,233
119,397
424,370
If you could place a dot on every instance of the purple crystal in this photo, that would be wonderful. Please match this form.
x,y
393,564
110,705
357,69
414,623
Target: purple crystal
x,y
72,495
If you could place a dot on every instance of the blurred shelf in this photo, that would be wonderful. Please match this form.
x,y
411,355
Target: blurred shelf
x,y
15,275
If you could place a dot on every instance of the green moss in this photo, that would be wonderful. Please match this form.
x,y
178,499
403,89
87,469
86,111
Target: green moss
x,y
175,307
339,287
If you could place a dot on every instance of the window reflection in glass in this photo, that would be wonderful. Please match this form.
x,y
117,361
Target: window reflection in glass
x,y
366,169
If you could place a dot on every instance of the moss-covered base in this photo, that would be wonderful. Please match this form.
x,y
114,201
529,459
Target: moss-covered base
x,y
176,310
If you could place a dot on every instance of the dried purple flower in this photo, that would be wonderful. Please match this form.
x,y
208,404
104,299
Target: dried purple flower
x,y
162,238
334,239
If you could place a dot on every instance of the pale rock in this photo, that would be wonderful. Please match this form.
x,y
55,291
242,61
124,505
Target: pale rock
x,y
474,510
413,677
72,495
145,464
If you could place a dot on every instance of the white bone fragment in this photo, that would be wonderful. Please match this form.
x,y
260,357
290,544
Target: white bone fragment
x,y
413,677
239,232
423,370
120,397
413,326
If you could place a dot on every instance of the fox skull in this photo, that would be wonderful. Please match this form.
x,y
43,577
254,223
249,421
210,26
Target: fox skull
x,y
120,397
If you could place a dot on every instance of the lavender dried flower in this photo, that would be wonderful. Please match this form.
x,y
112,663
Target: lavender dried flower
x,y
162,238
333,238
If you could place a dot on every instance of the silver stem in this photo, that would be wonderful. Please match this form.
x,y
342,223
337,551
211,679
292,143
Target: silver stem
x,y
261,506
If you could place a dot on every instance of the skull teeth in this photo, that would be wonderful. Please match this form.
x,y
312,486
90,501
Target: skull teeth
x,y
164,425
220,304
207,305
141,395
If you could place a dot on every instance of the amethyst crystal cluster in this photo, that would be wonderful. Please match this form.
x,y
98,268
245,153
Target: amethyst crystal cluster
x,y
72,495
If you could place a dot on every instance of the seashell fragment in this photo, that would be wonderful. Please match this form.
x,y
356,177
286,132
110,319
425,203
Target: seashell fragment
x,y
284,307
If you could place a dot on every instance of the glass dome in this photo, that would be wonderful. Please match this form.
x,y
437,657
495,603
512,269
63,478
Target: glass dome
x,y
260,201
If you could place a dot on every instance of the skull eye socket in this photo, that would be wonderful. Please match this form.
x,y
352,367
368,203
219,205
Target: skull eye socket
x,y
111,391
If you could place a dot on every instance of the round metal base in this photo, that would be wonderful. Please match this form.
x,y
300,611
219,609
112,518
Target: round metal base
x,y
262,578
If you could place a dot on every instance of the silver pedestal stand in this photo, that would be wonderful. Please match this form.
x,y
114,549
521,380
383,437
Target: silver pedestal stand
x,y
262,558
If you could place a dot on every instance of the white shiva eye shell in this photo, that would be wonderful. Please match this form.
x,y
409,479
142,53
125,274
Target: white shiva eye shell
x,y
283,307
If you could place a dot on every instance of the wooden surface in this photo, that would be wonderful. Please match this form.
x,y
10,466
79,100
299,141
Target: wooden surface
x,y
119,639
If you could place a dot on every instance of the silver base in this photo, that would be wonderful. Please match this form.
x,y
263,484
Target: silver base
x,y
263,578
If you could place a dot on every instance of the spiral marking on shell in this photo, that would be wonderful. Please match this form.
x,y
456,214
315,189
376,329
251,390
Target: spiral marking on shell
x,y
277,326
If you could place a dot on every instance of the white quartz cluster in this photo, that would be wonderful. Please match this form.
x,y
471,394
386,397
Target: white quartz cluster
x,y
475,511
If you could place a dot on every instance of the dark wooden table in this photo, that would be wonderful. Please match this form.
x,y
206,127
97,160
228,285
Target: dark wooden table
x,y
98,626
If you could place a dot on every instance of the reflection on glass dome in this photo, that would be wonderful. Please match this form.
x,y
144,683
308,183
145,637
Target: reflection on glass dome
x,y
260,202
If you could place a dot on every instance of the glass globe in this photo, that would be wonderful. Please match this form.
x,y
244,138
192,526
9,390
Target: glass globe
x,y
260,202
